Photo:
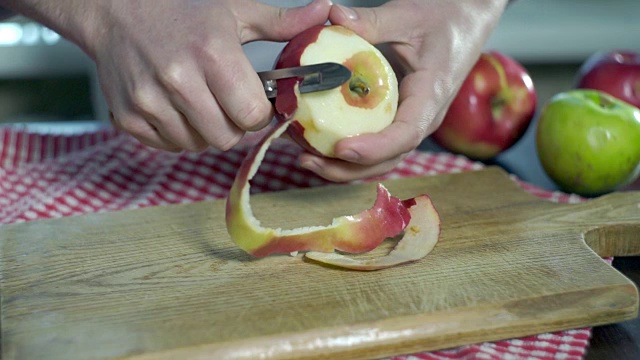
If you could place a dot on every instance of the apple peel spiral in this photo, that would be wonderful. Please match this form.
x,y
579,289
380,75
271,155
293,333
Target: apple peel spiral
x,y
317,121
387,218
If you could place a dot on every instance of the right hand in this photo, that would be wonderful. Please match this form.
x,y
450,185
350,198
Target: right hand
x,y
435,44
174,73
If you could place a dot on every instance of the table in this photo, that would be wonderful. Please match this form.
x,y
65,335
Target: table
x,y
621,340
61,164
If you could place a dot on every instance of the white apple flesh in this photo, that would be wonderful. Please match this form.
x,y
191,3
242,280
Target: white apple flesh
x,y
420,237
367,103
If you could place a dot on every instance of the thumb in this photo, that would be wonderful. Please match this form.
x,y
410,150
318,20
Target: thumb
x,y
377,25
281,24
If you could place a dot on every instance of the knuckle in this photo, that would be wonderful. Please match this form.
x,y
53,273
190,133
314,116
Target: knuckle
x,y
197,146
226,143
222,138
337,175
338,178
213,52
143,101
142,131
167,147
416,133
174,79
416,138
253,116
131,124
435,124
200,148
149,138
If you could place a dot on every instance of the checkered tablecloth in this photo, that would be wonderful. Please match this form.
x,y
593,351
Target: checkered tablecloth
x,y
50,176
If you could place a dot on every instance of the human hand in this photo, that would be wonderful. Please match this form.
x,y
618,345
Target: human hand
x,y
434,45
174,73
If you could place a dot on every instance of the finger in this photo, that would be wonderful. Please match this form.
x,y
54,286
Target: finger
x,y
377,25
202,114
341,171
174,126
144,132
236,87
232,78
207,118
151,105
281,24
418,116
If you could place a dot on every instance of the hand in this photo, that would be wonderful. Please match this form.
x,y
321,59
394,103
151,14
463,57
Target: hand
x,y
434,44
173,72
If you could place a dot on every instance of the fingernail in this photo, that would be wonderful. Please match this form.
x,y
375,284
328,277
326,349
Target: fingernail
x,y
349,155
348,12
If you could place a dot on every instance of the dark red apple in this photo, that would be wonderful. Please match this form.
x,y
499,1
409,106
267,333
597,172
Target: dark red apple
x,y
492,109
615,72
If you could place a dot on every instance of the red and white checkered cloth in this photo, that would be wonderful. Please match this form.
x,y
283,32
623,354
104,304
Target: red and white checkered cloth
x,y
50,176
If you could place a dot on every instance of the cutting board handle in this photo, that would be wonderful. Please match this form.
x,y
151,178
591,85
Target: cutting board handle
x,y
614,240
611,223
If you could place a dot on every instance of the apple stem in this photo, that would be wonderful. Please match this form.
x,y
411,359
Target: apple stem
x,y
497,106
359,87
605,103
498,102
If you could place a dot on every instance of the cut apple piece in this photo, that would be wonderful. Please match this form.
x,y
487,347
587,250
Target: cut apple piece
x,y
354,234
420,237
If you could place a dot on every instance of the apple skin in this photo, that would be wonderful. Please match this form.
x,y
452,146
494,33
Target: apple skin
x,y
589,142
492,109
420,237
358,233
416,219
366,103
286,101
615,72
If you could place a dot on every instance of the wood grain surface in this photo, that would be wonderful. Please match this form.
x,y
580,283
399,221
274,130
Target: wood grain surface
x,y
167,282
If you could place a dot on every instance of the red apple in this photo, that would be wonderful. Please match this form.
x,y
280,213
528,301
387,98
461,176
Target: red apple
x,y
492,109
615,72
364,104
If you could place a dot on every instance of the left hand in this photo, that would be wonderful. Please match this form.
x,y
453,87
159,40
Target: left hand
x,y
434,44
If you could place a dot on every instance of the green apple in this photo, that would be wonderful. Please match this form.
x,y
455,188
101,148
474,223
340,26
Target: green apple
x,y
589,142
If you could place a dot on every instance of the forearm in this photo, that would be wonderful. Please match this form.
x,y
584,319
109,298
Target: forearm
x,y
73,19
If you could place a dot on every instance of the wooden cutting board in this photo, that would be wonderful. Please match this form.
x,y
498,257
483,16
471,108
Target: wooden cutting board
x,y
167,282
